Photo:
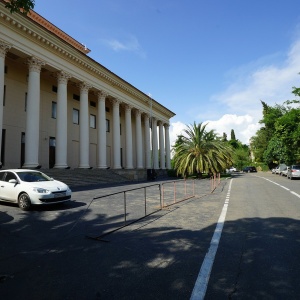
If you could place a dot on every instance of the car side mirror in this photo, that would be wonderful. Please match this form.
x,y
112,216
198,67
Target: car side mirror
x,y
13,181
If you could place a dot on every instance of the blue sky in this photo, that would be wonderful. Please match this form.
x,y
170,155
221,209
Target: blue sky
x,y
207,61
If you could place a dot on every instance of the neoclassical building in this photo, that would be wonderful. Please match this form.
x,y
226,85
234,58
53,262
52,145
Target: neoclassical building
x,y
62,109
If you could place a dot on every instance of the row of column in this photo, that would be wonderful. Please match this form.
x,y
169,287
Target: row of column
x,y
32,125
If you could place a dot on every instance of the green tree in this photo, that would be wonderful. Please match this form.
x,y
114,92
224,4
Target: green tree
x,y
241,157
199,151
278,141
288,132
232,135
23,6
276,151
260,142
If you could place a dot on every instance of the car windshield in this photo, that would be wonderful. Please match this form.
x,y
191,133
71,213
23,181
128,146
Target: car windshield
x,y
296,167
33,176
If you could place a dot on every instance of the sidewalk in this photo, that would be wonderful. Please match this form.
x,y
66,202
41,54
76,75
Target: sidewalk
x,y
158,257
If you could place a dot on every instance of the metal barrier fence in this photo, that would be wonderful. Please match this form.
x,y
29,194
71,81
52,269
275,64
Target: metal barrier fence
x,y
109,213
176,191
215,181
112,212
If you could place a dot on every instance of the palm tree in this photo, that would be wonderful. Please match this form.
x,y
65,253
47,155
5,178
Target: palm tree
x,y
199,151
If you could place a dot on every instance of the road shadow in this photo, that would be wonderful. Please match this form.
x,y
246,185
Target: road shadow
x,y
47,255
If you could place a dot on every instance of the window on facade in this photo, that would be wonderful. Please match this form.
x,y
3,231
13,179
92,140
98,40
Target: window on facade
x,y
53,110
76,97
54,88
93,103
75,116
107,126
4,93
92,121
5,69
25,101
107,109
120,129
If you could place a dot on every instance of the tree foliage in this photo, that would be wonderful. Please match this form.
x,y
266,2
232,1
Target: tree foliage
x,y
199,151
278,140
232,135
23,6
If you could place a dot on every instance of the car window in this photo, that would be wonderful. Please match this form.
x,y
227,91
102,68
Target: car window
x,y
9,176
32,176
296,167
2,176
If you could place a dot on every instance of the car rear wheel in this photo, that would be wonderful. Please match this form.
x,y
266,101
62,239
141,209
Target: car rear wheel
x,y
24,202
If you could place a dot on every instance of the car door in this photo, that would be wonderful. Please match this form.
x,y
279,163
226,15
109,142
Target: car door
x,y
9,190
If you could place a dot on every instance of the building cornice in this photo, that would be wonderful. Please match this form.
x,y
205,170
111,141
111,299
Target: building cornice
x,y
51,27
33,30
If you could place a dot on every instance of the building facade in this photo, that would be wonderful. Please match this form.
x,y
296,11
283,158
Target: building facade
x,y
62,109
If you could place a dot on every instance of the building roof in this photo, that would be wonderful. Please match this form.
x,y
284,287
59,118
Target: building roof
x,y
107,75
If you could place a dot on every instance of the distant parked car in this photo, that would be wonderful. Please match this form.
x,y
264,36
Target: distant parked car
x,y
27,187
293,172
249,169
280,168
274,170
232,169
277,170
284,171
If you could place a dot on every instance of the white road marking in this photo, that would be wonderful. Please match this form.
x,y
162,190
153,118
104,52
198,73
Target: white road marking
x,y
292,192
204,274
297,195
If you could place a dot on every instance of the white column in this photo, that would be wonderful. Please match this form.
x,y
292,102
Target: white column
x,y
33,114
138,134
161,145
168,148
3,50
61,121
154,144
128,128
116,135
84,128
101,131
147,141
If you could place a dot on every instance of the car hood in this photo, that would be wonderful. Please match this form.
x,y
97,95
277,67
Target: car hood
x,y
53,185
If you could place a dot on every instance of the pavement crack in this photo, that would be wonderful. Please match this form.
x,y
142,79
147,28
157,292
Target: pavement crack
x,y
239,269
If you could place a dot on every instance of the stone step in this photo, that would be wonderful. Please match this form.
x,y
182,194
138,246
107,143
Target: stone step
x,y
87,177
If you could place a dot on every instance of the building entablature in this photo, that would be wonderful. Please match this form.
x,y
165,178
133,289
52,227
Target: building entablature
x,y
60,52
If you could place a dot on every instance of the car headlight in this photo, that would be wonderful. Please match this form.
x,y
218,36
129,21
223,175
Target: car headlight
x,y
41,190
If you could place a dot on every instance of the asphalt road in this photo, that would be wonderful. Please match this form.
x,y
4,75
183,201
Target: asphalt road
x,y
45,253
258,255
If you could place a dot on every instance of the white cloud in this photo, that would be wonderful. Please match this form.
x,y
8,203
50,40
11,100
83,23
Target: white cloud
x,y
244,126
130,44
175,130
270,83
240,102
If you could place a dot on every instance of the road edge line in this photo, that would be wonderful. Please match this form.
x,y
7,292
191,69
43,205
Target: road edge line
x,y
206,267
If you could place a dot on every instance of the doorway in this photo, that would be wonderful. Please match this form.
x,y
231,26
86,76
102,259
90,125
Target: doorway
x,y
22,149
52,144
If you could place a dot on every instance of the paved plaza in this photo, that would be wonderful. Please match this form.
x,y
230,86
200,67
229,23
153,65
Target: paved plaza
x,y
48,253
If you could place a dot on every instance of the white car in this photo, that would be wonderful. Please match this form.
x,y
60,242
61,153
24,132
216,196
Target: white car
x,y
293,172
30,187
232,169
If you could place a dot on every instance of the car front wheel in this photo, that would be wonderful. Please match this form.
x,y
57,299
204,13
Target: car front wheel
x,y
24,202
